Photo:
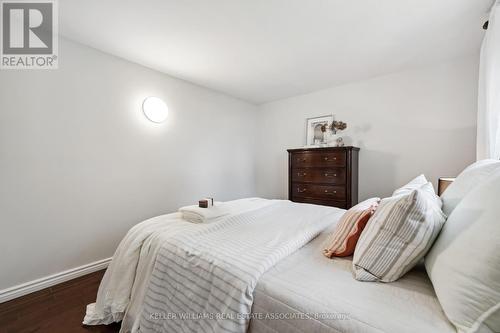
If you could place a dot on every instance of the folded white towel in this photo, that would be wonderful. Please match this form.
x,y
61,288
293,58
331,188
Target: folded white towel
x,y
196,214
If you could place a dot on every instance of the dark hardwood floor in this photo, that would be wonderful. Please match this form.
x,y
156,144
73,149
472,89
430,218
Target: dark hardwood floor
x,y
60,308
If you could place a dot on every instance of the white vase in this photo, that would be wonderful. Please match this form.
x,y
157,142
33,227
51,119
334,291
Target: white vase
x,y
331,139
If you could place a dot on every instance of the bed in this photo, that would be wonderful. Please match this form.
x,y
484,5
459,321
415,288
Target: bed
x,y
308,282
299,290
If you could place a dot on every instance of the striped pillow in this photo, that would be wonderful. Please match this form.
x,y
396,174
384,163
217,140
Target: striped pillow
x,y
399,235
346,234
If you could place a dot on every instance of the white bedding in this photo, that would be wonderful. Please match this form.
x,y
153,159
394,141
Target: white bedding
x,y
213,272
308,282
121,292
123,284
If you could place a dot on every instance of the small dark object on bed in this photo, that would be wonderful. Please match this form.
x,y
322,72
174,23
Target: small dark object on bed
x,y
203,203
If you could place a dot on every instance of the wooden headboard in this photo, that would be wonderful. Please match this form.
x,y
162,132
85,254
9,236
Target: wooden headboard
x,y
443,184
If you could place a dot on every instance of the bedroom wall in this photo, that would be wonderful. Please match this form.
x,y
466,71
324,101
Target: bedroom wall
x,y
80,164
417,121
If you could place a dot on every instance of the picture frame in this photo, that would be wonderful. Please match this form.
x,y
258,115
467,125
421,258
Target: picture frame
x,y
314,136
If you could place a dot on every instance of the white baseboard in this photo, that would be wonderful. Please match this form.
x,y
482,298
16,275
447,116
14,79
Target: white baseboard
x,y
48,281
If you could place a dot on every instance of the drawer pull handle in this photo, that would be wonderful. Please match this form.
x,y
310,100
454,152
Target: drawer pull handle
x,y
301,160
334,192
301,190
301,174
328,175
326,158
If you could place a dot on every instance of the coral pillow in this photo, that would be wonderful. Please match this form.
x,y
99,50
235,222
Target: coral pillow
x,y
345,236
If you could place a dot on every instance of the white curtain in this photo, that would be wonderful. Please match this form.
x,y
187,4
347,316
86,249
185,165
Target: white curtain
x,y
488,121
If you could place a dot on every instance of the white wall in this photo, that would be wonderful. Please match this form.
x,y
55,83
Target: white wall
x,y
80,165
418,121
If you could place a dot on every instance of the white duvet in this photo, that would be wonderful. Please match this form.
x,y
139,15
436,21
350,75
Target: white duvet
x,y
204,281
121,292
124,280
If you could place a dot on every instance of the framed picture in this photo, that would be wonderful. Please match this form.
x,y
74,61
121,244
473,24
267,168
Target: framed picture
x,y
314,135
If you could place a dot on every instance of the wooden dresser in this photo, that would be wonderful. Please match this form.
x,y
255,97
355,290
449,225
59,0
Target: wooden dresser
x,y
324,176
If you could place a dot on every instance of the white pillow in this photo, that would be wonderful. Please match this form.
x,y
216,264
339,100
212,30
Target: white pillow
x,y
398,235
472,176
417,183
464,262
412,185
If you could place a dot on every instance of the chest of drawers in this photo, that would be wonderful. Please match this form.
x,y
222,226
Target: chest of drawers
x,y
324,176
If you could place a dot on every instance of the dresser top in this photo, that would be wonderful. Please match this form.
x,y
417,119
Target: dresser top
x,y
295,150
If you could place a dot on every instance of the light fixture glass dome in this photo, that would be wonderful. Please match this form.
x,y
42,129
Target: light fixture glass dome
x,y
155,109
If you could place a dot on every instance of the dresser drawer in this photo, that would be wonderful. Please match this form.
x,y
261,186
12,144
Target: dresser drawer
x,y
319,159
323,202
332,176
318,191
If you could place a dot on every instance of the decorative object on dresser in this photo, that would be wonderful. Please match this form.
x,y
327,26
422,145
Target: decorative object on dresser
x,y
335,139
316,130
322,132
324,176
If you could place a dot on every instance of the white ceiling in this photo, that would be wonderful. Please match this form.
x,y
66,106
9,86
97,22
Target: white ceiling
x,y
264,50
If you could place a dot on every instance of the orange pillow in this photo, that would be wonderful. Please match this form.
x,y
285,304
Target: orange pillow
x,y
346,234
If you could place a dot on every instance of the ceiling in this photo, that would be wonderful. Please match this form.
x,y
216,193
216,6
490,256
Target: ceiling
x,y
264,50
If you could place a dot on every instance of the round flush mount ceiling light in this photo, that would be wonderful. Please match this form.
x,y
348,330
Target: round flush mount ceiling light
x,y
155,109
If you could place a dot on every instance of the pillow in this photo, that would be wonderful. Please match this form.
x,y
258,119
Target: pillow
x,y
464,263
473,175
398,235
346,234
412,185
416,183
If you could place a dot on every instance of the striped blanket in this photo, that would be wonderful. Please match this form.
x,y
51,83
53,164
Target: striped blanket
x,y
204,281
